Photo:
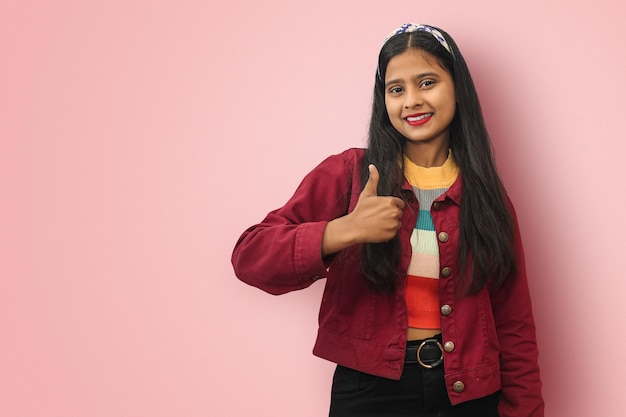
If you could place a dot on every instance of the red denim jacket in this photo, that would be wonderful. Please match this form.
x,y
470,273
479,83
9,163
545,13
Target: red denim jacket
x,y
490,335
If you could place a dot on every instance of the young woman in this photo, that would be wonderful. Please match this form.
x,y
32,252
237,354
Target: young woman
x,y
426,308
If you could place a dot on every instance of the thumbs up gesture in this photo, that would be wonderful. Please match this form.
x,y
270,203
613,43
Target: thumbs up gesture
x,y
377,217
374,219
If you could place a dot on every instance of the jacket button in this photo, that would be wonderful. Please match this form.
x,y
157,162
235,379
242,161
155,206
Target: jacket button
x,y
437,205
446,272
458,386
443,237
446,310
448,346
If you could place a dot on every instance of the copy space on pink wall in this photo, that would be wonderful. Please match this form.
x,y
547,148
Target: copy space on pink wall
x,y
138,140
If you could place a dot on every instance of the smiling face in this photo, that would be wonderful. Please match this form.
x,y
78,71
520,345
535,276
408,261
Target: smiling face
x,y
420,98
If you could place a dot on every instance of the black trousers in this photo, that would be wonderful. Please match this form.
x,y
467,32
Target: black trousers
x,y
420,392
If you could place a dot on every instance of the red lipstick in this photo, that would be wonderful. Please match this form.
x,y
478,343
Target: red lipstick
x,y
418,119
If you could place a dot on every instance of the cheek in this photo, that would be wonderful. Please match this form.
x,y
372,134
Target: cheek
x,y
394,116
392,109
447,105
452,106
452,100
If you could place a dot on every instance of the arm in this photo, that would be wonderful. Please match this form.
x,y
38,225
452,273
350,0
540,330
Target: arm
x,y
283,252
512,309
290,248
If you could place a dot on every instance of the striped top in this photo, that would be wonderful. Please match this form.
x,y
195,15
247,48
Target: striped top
x,y
422,288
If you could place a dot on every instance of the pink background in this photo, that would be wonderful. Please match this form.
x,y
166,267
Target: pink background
x,y
140,138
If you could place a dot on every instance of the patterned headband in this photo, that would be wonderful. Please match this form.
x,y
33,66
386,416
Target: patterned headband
x,y
411,27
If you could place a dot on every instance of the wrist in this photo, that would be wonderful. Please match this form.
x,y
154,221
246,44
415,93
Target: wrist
x,y
338,235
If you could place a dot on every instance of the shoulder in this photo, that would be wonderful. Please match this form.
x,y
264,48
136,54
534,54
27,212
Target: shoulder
x,y
352,155
347,161
340,171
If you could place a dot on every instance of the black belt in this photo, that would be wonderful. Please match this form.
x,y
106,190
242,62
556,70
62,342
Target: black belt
x,y
428,353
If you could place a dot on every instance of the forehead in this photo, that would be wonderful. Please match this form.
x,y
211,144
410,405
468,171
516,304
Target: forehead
x,y
412,61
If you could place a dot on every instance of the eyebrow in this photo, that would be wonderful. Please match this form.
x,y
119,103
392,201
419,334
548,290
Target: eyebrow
x,y
418,76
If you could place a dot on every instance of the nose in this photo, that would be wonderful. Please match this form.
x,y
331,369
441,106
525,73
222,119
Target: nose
x,y
412,98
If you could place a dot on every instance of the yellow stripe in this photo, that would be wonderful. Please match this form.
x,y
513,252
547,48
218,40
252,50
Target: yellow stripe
x,y
433,177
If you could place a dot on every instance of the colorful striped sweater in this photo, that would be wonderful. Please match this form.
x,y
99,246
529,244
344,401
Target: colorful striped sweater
x,y
422,288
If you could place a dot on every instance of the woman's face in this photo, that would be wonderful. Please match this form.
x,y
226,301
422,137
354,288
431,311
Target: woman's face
x,y
419,97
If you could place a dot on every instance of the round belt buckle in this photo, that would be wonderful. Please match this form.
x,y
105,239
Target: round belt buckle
x,y
419,350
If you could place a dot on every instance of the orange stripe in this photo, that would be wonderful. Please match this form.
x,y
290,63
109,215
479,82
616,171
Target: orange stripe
x,y
422,300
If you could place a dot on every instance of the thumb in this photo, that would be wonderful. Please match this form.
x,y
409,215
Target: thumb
x,y
371,187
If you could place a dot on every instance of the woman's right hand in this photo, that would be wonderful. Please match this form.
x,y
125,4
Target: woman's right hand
x,y
374,219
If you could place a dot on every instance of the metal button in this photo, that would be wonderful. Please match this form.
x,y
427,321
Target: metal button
x,y
458,386
446,272
446,310
443,237
437,205
448,346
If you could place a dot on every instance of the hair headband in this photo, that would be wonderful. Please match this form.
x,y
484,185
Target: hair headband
x,y
412,27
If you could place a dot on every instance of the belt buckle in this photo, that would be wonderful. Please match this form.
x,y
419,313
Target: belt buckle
x,y
429,342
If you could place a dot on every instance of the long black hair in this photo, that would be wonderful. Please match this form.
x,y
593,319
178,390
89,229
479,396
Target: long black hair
x,y
486,243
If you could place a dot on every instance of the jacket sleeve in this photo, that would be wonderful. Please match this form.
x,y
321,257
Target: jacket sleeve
x,y
284,252
521,384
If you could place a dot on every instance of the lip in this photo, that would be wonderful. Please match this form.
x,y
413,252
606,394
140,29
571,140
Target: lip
x,y
422,118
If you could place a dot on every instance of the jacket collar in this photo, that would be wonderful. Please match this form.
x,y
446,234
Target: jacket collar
x,y
453,193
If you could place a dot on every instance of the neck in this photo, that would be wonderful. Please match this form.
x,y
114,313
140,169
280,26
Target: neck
x,y
426,154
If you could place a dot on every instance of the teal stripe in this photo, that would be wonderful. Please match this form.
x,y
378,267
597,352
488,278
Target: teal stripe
x,y
424,221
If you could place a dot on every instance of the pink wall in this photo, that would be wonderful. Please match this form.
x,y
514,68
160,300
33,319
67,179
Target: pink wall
x,y
139,138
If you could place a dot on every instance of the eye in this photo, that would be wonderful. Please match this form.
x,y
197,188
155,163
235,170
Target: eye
x,y
427,83
395,90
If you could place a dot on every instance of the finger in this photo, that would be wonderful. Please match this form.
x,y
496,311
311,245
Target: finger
x,y
398,202
371,187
